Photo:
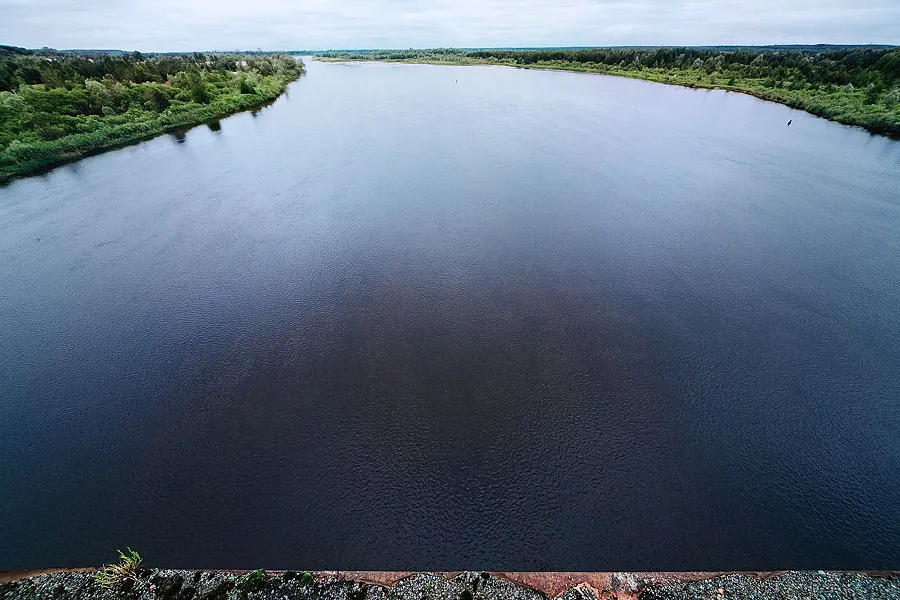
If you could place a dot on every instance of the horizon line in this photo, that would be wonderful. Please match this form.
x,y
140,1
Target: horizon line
x,y
464,48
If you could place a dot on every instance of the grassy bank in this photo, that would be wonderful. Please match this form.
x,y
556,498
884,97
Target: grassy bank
x,y
854,86
59,108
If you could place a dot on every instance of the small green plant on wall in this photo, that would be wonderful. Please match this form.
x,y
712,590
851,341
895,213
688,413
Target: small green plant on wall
x,y
127,569
252,580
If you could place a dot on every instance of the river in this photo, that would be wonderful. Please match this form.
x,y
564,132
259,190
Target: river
x,y
419,317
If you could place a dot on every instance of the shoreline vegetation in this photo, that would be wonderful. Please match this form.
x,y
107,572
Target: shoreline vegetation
x,y
851,85
56,107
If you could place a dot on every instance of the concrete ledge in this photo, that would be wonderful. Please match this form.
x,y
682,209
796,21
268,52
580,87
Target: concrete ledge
x,y
165,584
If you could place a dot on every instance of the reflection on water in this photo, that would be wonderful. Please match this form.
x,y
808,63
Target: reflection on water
x,y
530,320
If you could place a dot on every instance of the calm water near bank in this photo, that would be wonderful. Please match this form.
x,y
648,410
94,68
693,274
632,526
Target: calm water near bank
x,y
417,317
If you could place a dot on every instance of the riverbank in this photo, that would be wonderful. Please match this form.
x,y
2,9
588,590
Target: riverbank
x,y
165,584
41,157
49,124
873,109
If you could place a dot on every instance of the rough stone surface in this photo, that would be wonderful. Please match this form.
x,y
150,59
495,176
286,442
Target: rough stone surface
x,y
164,584
788,586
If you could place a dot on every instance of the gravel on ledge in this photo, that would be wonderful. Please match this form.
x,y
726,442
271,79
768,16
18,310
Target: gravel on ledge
x,y
165,584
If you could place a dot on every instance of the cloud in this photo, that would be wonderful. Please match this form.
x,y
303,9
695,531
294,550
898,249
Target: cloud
x,y
281,24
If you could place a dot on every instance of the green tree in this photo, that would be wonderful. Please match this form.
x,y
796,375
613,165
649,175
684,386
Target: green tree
x,y
871,94
892,98
54,105
30,75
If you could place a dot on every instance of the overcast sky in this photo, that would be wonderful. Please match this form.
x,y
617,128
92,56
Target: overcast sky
x,y
160,25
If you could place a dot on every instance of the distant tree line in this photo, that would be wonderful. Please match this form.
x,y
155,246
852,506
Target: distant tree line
x,y
854,85
64,69
859,66
411,54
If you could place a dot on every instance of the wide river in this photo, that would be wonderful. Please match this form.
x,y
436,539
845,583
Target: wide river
x,y
418,317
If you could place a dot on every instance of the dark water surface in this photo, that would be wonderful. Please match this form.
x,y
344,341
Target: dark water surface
x,y
529,320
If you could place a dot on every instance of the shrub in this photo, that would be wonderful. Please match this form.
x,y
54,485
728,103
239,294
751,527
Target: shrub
x,y
24,153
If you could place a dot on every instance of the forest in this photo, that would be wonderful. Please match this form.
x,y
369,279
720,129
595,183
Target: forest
x,y
852,85
56,106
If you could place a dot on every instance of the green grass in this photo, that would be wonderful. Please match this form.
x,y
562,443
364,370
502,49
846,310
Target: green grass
x,y
128,569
